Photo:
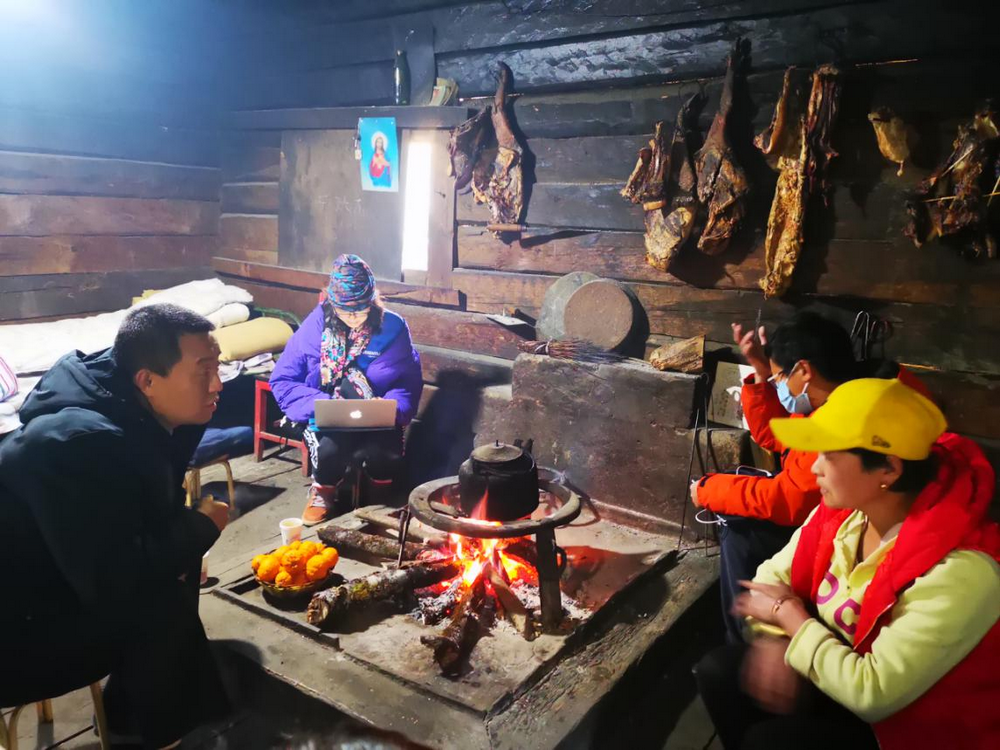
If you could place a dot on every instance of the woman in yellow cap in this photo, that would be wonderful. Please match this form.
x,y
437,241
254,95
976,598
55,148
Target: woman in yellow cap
x,y
886,599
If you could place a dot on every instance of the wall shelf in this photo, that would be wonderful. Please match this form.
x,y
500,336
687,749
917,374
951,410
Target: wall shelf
x,y
337,118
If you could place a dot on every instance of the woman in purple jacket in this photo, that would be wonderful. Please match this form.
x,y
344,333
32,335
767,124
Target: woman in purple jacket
x,y
348,347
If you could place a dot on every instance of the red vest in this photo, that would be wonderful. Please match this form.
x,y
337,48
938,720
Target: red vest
x,y
962,710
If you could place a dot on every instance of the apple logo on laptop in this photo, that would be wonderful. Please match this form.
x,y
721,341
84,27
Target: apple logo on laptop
x,y
356,414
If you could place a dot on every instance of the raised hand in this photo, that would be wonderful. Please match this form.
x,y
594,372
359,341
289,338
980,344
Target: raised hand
x,y
752,349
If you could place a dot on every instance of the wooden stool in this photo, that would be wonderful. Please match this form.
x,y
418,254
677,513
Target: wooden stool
x,y
261,433
8,727
192,481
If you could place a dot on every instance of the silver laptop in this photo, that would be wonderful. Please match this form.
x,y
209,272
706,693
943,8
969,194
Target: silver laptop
x,y
339,414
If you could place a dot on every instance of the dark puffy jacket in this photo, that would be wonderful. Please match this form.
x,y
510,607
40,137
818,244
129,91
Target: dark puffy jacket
x,y
91,500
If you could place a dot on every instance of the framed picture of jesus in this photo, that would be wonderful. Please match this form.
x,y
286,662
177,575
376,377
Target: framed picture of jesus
x,y
379,154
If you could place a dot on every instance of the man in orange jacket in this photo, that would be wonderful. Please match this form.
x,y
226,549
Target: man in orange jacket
x,y
795,370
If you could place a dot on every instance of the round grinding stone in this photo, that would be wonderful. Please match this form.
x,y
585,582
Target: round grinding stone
x,y
551,322
601,312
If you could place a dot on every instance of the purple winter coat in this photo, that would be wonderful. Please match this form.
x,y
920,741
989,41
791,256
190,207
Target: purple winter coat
x,y
390,363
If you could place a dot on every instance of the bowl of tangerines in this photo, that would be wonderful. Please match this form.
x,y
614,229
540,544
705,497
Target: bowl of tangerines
x,y
296,570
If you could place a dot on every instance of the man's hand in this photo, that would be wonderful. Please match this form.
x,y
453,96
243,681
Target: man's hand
x,y
694,494
218,512
753,350
766,678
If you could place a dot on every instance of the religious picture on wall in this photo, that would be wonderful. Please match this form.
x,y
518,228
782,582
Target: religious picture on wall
x,y
379,154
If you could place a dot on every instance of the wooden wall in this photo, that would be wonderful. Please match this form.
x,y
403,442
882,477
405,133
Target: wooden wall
x,y
109,152
593,77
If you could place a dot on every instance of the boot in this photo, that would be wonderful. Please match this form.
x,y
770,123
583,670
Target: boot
x,y
320,503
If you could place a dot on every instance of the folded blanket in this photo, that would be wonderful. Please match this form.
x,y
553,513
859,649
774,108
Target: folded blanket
x,y
231,314
244,340
8,382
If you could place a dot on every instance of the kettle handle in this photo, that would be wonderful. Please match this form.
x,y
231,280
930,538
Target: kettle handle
x,y
526,447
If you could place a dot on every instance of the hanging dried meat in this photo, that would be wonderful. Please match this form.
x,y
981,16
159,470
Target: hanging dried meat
x,y
722,183
896,139
783,136
466,144
802,163
664,182
952,202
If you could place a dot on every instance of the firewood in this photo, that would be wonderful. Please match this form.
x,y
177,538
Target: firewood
x,y
684,356
453,645
350,540
515,611
328,606
435,605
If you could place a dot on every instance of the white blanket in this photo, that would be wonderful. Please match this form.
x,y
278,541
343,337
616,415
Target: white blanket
x,y
35,347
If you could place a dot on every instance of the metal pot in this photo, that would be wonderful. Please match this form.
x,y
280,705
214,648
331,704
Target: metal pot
x,y
503,477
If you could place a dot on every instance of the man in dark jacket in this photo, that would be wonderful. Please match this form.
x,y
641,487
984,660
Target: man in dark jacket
x,y
100,557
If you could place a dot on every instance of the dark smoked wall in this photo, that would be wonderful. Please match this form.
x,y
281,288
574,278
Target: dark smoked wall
x,y
593,76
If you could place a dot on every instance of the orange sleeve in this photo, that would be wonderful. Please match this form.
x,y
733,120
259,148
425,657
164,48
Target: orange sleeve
x,y
761,405
785,499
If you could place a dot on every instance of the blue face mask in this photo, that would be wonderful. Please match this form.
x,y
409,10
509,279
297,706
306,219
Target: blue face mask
x,y
794,404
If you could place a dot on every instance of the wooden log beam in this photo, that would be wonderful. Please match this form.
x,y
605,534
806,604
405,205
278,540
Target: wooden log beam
x,y
40,215
242,162
316,116
22,256
448,329
124,138
69,294
877,270
947,338
314,281
246,233
250,198
351,542
47,174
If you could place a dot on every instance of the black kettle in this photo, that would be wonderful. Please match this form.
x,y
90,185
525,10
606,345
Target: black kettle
x,y
501,477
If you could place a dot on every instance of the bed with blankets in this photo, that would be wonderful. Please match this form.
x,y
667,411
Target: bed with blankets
x,y
28,350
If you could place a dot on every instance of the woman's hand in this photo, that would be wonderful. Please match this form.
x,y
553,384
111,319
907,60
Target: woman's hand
x,y
773,604
766,678
753,350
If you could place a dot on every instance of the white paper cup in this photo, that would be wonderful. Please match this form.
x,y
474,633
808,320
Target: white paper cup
x,y
204,568
291,530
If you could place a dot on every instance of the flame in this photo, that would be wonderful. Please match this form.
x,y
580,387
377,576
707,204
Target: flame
x,y
473,554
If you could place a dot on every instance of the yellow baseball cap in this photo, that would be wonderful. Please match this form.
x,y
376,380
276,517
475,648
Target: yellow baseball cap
x,y
877,414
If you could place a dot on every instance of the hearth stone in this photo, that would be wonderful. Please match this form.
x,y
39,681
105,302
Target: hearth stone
x,y
621,433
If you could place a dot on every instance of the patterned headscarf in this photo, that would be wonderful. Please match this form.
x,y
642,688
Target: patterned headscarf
x,y
352,283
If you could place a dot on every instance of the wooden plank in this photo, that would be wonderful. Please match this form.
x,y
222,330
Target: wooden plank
x,y
948,338
592,206
45,174
243,163
586,159
22,256
246,232
269,257
315,281
39,215
340,118
23,130
447,329
67,294
873,270
857,33
971,403
250,198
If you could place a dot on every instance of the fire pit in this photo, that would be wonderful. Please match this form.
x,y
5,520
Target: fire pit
x,y
438,505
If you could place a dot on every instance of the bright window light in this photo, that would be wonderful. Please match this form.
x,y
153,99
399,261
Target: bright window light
x,y
417,205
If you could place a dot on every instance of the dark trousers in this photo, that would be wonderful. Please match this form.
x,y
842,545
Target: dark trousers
x,y
744,544
818,723
163,681
333,452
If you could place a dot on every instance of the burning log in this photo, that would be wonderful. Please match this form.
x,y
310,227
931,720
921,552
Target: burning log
x,y
515,611
350,540
434,605
327,606
460,635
